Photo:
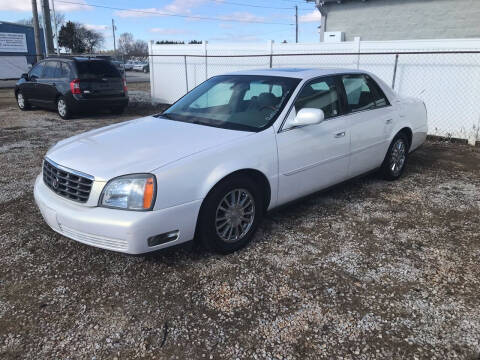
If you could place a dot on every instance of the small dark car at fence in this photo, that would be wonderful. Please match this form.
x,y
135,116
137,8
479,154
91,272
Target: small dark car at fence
x,y
70,85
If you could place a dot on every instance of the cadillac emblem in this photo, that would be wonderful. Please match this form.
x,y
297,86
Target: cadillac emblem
x,y
55,183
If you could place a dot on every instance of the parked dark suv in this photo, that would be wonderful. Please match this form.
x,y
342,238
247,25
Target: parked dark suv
x,y
73,84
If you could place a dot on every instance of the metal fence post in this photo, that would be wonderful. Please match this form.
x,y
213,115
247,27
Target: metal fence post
x,y
186,72
356,41
395,71
151,66
270,50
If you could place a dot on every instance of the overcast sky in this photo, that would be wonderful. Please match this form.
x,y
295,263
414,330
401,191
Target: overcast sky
x,y
150,22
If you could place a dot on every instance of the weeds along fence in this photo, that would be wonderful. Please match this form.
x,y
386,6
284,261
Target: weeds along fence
x,y
448,81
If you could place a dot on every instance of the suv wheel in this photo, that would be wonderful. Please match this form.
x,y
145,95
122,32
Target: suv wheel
x,y
396,158
22,103
230,215
63,109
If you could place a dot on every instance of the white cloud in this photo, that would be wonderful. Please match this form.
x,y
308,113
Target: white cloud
x,y
139,13
97,27
225,26
314,16
26,5
183,6
242,16
180,7
164,31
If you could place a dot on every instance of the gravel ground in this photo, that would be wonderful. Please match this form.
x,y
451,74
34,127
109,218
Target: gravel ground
x,y
370,269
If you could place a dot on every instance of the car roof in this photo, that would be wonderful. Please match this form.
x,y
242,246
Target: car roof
x,y
77,58
299,73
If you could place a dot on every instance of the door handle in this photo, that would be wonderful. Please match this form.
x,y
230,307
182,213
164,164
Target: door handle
x,y
389,121
340,134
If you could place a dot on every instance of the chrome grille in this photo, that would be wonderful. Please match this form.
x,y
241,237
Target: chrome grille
x,y
67,183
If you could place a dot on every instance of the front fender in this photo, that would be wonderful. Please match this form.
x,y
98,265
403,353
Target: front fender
x,y
191,178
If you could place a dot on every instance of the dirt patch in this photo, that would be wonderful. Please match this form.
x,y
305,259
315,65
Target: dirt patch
x,y
370,269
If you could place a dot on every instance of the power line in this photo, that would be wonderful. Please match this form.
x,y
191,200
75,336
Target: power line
x,y
252,5
163,13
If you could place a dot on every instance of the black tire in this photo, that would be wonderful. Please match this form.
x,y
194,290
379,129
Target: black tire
x,y
22,103
117,110
244,188
63,109
396,157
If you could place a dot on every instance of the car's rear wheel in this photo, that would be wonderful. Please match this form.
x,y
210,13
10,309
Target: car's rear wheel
x,y
230,215
63,109
396,158
22,103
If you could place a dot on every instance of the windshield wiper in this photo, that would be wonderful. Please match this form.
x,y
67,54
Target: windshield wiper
x,y
166,116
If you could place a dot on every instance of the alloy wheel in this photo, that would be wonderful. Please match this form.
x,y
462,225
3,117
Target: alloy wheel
x,y
21,101
62,107
235,215
398,156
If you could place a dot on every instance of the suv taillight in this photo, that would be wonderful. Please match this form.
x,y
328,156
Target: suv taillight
x,y
124,85
75,86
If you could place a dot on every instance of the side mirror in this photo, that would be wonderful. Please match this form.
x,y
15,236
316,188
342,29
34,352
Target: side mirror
x,y
308,116
24,76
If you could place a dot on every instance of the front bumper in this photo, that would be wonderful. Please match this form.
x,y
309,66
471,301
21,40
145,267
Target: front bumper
x,y
119,230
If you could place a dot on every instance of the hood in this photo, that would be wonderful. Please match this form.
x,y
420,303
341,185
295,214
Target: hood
x,y
137,146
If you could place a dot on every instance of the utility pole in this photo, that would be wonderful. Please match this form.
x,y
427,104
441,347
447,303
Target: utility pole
x,y
296,23
55,23
322,8
36,30
47,29
114,43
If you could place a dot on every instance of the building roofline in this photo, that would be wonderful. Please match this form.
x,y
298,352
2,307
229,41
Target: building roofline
x,y
17,24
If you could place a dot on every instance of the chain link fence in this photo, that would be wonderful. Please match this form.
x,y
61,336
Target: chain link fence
x,y
13,66
447,81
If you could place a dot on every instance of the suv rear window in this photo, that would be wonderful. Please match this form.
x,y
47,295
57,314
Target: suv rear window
x,y
96,69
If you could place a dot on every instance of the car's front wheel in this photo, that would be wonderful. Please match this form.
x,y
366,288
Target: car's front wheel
x,y
396,158
22,103
230,215
63,109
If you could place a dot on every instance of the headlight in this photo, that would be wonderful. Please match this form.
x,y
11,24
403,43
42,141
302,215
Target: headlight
x,y
130,192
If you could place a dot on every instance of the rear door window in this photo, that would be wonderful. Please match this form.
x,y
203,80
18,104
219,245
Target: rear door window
x,y
62,71
359,94
97,69
378,95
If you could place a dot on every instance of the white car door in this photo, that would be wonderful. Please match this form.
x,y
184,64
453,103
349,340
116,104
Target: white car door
x,y
369,120
316,156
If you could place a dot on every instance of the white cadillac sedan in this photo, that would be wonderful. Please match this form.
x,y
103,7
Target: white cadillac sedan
x,y
234,147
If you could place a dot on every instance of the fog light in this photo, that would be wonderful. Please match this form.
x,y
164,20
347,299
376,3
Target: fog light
x,y
163,238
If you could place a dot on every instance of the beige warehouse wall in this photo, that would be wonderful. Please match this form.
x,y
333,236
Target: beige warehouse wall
x,y
405,19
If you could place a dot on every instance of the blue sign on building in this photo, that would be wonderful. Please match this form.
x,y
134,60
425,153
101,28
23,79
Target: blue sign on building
x,y
17,48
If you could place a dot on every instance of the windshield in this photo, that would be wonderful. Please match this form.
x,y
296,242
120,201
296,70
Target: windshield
x,y
238,102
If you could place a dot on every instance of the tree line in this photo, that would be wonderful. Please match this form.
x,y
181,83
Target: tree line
x,y
79,39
